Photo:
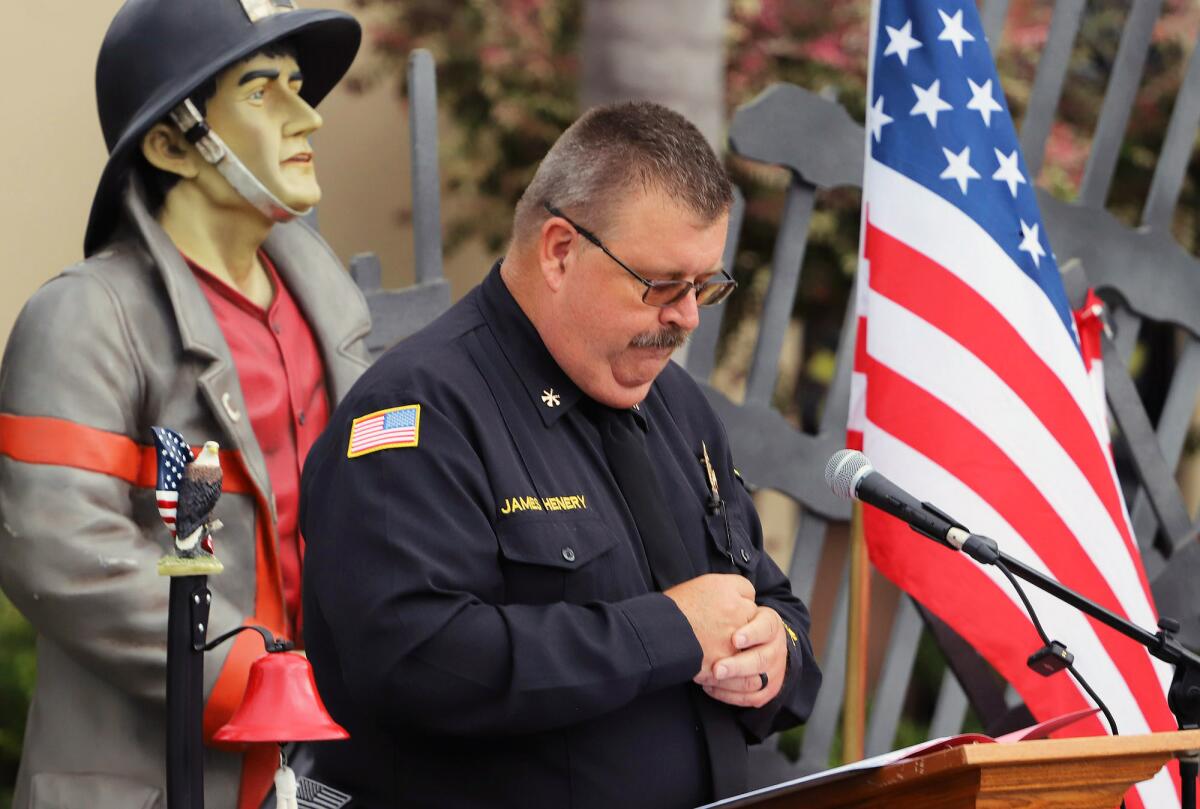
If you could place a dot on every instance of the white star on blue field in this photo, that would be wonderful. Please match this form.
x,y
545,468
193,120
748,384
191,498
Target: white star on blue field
x,y
938,116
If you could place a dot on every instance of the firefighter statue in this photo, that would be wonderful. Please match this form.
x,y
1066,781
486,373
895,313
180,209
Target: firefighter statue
x,y
202,302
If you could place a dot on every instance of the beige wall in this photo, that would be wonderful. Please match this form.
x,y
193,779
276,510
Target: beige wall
x,y
51,154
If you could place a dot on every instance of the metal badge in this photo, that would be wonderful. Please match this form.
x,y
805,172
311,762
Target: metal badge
x,y
712,473
716,505
261,9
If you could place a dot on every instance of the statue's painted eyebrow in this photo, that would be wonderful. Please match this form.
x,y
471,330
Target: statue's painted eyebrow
x,y
269,73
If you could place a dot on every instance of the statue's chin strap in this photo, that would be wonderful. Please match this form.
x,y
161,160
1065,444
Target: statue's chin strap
x,y
193,126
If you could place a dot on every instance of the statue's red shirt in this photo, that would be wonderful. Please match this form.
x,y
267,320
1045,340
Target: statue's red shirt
x,y
283,383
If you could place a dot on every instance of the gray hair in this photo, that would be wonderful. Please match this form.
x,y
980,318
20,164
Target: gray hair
x,y
617,149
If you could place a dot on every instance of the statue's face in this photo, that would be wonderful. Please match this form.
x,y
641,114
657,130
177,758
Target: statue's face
x,y
257,110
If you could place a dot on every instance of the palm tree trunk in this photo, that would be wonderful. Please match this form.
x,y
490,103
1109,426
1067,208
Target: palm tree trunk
x,y
669,51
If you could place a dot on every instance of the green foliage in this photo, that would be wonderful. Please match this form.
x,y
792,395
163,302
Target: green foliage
x,y
17,671
790,742
508,73
507,77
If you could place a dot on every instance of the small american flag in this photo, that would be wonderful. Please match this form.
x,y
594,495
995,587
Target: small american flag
x,y
173,455
312,794
385,429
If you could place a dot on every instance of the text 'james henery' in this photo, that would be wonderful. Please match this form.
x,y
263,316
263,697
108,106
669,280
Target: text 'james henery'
x,y
572,502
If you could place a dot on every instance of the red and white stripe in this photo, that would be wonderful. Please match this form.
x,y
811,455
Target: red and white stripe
x,y
371,433
969,392
167,507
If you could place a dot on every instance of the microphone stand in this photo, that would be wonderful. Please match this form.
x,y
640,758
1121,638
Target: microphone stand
x,y
1183,697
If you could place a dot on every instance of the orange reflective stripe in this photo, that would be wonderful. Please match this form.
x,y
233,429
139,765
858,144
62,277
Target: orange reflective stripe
x,y
42,440
257,774
58,442
268,575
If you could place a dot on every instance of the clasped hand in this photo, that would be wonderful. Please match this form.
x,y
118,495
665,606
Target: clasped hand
x,y
740,639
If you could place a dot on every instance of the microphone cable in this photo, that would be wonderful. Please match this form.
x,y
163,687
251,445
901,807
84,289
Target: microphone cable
x,y
1070,667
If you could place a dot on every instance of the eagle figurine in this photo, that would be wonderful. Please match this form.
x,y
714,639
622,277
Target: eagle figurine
x,y
187,491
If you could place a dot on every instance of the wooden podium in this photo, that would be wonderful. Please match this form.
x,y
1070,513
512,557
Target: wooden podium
x,y
1089,773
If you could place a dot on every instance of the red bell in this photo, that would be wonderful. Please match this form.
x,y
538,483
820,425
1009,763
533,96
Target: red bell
x,y
281,705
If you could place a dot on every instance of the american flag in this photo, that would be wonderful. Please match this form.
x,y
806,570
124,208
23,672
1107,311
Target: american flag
x,y
173,454
972,387
312,794
394,427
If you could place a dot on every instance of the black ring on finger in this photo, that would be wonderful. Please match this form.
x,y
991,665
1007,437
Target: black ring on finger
x,y
762,678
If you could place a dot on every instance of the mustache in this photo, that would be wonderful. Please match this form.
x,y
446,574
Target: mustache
x,y
668,337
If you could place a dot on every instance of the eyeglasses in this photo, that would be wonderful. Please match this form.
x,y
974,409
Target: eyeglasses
x,y
661,293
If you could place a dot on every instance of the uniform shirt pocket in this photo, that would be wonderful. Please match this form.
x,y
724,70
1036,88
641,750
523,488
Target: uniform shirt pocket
x,y
732,543
546,560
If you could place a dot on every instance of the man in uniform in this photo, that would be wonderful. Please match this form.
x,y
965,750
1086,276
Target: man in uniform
x,y
201,306
533,577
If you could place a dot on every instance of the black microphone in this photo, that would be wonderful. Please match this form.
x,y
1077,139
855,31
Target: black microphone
x,y
850,474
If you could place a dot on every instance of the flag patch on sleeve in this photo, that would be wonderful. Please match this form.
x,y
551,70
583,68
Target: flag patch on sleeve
x,y
393,428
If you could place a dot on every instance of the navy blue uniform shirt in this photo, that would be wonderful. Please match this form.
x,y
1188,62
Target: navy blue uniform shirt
x,y
477,603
